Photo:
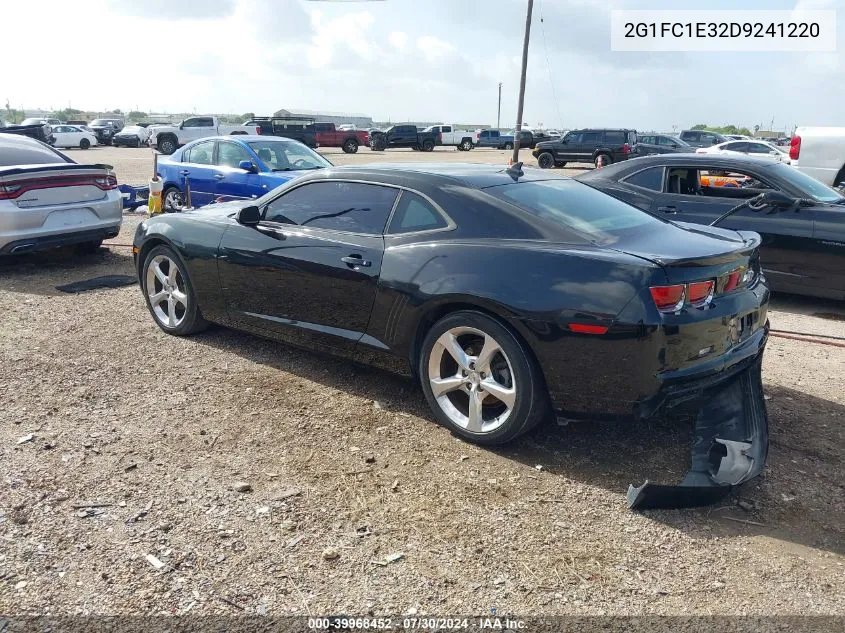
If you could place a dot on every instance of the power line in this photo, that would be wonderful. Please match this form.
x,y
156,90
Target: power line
x,y
549,66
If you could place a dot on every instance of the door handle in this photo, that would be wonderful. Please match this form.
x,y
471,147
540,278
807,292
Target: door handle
x,y
219,176
668,209
184,172
355,260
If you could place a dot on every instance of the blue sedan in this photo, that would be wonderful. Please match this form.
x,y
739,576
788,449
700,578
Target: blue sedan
x,y
239,167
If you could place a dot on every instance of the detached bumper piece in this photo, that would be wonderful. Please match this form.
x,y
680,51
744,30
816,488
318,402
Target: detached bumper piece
x,y
730,446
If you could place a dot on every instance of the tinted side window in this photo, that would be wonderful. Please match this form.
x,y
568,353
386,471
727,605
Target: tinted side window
x,y
406,129
735,147
591,137
666,140
446,128
614,138
689,136
200,154
651,178
759,148
339,206
572,137
414,213
12,153
647,139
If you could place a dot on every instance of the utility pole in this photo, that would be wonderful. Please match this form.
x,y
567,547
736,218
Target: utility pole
x,y
499,114
522,82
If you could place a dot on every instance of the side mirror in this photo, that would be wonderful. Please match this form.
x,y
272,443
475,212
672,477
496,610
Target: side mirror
x,y
249,216
249,166
778,200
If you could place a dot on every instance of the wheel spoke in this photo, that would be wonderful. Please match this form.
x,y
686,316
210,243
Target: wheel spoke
x,y
504,394
158,297
159,273
476,417
172,272
180,297
171,312
489,350
439,386
450,342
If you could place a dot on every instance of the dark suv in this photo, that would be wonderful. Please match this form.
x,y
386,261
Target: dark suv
x,y
702,138
587,146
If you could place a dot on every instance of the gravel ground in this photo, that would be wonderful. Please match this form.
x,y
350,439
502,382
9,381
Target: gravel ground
x,y
265,479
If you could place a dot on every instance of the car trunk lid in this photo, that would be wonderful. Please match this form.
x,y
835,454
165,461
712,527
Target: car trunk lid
x,y
34,186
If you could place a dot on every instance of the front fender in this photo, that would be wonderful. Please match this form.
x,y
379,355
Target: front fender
x,y
197,244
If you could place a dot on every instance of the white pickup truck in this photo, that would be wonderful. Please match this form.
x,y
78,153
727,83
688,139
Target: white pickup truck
x,y
450,135
820,152
168,138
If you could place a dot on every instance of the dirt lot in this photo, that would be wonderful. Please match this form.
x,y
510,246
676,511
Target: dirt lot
x,y
139,441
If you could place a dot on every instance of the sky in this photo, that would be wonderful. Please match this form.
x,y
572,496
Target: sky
x,y
406,60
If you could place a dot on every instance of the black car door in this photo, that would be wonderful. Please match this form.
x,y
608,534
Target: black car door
x,y
829,238
404,136
668,145
786,254
647,145
308,273
569,147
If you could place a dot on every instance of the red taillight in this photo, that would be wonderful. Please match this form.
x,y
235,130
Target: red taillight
x,y
583,328
626,149
258,130
794,147
9,191
107,183
733,281
12,190
668,298
701,292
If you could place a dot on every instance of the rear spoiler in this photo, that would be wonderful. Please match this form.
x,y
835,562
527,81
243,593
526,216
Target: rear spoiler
x,y
28,169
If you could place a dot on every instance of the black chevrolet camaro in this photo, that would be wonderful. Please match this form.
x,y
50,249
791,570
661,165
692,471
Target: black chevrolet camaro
x,y
803,248
508,294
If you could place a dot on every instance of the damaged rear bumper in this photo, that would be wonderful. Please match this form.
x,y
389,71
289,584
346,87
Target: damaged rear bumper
x,y
731,439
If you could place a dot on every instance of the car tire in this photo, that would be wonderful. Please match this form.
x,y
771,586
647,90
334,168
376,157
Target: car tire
x,y
466,145
171,200
89,248
607,159
167,145
510,372
350,146
508,146
169,293
545,160
428,146
84,144
560,163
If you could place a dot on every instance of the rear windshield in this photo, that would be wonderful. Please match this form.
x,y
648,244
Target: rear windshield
x,y
25,153
577,207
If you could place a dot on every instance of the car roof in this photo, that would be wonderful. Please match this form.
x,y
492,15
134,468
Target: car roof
x,y
473,175
684,160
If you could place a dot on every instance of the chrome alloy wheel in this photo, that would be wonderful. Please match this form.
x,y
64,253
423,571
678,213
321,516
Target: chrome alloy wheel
x,y
472,379
166,291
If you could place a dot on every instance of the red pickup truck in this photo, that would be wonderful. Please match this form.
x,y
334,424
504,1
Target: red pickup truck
x,y
329,136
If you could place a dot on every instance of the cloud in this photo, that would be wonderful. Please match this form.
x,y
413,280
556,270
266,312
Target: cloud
x,y
399,39
174,9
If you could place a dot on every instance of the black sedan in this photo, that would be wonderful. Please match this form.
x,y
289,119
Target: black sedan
x,y
508,294
803,248
648,144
